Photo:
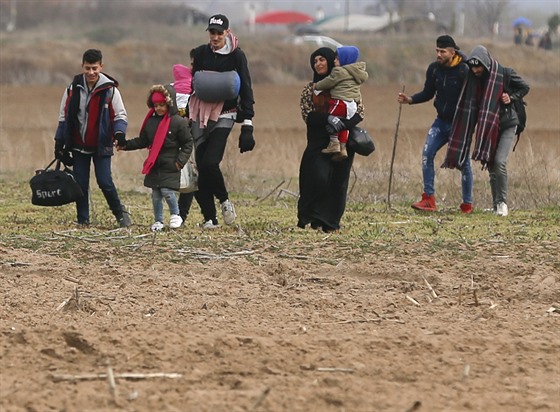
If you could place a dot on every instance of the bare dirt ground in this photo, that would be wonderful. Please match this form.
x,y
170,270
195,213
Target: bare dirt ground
x,y
281,334
284,328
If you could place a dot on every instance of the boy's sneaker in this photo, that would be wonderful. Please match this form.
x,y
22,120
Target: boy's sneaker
x,y
209,225
157,226
502,209
175,221
333,147
228,212
124,219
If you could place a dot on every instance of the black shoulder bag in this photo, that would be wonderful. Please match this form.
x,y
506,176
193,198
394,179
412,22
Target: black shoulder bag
x,y
54,187
360,141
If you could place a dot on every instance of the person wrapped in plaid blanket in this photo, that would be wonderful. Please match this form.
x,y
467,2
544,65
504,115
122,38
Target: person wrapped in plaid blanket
x,y
485,103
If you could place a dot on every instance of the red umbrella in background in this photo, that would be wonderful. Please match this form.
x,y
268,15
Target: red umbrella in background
x,y
283,17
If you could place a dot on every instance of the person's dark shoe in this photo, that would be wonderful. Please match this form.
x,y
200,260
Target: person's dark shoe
x,y
316,226
124,219
328,229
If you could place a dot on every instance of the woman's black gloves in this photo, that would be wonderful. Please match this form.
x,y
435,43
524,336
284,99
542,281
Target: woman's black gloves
x,y
246,139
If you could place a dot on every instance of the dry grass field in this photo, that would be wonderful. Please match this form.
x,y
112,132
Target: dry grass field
x,y
27,144
399,311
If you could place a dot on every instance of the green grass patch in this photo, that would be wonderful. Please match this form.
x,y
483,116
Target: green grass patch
x,y
268,227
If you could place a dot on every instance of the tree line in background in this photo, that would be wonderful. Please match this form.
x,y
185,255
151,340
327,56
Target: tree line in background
x,y
21,15
484,17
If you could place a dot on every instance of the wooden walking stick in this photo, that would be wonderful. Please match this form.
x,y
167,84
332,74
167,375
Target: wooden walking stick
x,y
393,155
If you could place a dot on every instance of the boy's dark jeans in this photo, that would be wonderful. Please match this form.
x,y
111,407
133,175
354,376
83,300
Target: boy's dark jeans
x,y
102,168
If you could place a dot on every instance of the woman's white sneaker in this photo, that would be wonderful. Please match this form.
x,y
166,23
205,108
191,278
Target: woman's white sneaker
x,y
175,221
502,209
228,212
209,225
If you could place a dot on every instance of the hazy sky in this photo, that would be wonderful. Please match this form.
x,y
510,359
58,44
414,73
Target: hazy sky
x,y
237,10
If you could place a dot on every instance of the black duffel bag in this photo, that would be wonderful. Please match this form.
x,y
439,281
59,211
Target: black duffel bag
x,y
360,141
54,187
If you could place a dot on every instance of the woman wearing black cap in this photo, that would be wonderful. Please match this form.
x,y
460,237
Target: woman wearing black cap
x,y
213,119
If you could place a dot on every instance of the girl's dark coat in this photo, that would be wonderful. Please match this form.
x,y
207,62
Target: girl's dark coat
x,y
176,148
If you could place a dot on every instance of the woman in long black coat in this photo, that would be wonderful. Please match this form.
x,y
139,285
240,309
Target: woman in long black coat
x,y
323,183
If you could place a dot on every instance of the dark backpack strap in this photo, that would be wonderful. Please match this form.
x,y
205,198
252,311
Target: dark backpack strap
x,y
507,79
51,163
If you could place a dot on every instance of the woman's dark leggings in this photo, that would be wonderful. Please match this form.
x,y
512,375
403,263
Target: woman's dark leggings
x,y
211,183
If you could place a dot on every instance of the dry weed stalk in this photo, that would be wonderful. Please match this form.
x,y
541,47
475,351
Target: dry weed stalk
x,y
272,191
261,398
412,300
112,384
433,292
78,300
104,376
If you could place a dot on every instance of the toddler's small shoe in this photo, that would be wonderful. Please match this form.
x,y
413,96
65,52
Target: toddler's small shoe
x,y
343,154
333,147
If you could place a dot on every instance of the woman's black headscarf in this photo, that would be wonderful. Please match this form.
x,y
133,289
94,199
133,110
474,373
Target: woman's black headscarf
x,y
328,54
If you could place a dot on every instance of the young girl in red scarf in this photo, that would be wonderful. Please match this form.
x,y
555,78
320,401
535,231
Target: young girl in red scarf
x,y
169,140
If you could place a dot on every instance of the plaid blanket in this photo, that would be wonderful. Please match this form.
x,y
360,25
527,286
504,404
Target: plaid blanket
x,y
478,106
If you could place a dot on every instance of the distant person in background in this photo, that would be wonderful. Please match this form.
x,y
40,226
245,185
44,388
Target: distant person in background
x,y
323,184
486,105
92,116
344,87
529,40
221,54
444,80
518,35
168,138
546,41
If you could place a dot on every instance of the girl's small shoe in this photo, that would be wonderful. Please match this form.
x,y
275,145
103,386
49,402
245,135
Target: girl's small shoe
x,y
175,221
157,226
